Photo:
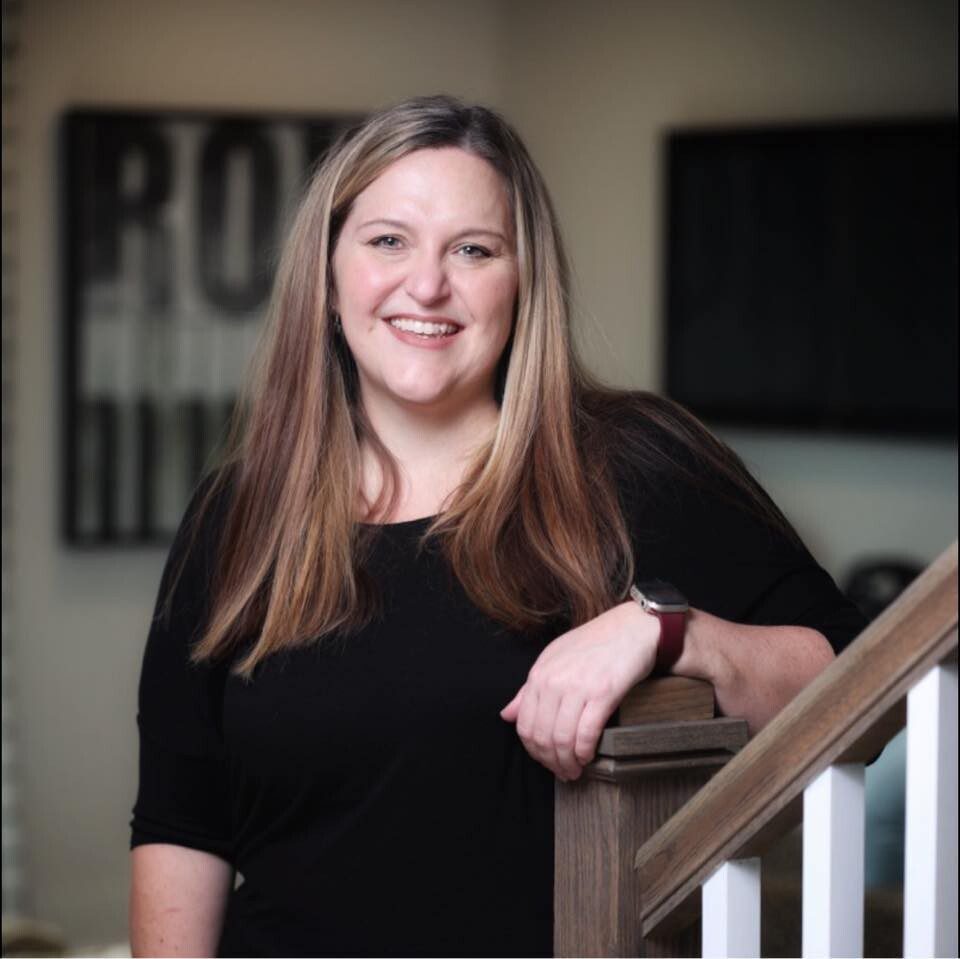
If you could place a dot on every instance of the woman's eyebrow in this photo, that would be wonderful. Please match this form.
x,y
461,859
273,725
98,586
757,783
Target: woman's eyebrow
x,y
481,231
397,224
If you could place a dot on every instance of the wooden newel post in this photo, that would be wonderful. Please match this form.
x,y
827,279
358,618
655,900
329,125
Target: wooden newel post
x,y
665,747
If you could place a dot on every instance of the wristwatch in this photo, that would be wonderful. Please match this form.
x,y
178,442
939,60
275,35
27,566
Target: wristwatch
x,y
670,606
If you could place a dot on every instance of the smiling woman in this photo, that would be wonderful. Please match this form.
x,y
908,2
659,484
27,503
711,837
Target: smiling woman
x,y
402,606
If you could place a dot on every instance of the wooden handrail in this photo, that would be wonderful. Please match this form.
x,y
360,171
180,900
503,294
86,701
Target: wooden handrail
x,y
847,714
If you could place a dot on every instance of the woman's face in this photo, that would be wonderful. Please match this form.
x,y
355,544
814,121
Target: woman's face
x,y
425,282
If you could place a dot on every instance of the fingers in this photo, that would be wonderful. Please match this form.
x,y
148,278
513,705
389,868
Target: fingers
x,y
565,732
548,726
572,689
526,722
542,732
560,732
593,719
534,728
512,709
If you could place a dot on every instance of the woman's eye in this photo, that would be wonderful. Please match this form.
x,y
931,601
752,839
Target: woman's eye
x,y
386,242
474,252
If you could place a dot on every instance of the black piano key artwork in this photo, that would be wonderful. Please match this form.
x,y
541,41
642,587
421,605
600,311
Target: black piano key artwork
x,y
171,227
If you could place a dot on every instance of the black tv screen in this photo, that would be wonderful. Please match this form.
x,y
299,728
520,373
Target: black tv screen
x,y
812,276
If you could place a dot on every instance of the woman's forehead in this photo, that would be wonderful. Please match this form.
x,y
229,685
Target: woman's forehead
x,y
437,184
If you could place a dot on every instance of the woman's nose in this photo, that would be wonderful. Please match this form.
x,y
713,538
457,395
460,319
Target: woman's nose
x,y
427,281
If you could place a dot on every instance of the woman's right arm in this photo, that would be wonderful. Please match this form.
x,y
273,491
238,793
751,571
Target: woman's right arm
x,y
182,851
178,897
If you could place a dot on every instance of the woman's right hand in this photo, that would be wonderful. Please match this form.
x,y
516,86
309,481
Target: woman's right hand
x,y
576,684
178,897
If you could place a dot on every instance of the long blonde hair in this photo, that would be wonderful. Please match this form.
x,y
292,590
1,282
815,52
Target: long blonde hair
x,y
536,530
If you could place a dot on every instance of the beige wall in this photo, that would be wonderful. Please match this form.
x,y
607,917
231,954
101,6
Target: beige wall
x,y
591,86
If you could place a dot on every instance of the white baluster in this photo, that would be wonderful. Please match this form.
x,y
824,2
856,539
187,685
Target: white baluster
x,y
833,846
930,869
731,911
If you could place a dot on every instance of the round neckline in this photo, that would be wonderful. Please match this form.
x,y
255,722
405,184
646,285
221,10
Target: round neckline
x,y
421,521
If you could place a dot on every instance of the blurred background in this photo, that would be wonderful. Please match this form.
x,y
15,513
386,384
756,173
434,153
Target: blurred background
x,y
596,90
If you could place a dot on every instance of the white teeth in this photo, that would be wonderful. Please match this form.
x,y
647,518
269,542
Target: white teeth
x,y
422,327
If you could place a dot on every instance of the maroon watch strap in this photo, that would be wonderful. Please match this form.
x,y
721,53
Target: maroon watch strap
x,y
668,604
673,626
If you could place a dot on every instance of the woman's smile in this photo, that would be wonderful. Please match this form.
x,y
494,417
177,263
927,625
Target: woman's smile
x,y
425,333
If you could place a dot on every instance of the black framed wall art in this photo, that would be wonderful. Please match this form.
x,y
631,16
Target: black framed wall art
x,y
172,225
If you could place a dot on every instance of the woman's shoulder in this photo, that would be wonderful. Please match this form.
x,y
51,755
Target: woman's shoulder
x,y
193,556
207,509
653,448
637,430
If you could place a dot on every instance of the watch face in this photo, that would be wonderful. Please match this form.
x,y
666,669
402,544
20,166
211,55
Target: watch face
x,y
662,597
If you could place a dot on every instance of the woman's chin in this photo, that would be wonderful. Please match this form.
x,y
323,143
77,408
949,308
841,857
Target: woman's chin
x,y
431,396
426,401
431,401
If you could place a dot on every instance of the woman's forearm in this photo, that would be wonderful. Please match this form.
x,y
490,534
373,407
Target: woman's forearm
x,y
178,898
581,677
755,670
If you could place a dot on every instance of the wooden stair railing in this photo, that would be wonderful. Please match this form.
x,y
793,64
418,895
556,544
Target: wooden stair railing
x,y
693,796
843,718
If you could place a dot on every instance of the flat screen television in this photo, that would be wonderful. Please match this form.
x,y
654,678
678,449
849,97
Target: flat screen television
x,y
811,276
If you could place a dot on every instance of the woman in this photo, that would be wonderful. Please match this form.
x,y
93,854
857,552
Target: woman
x,y
403,607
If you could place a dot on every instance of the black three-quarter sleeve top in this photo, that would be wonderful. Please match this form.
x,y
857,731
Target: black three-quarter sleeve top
x,y
366,789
